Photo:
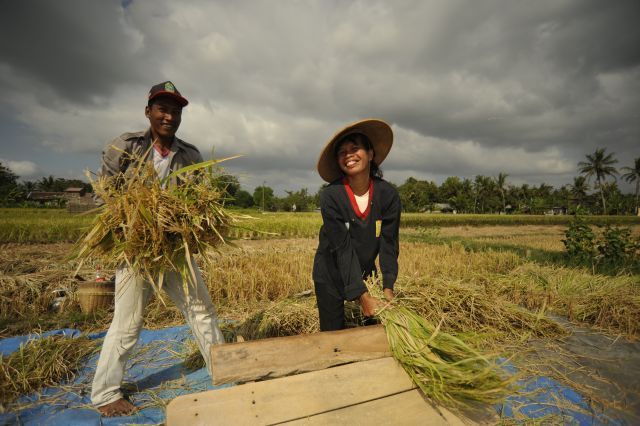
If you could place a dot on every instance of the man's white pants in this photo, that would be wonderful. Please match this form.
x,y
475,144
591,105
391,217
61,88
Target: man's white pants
x,y
132,295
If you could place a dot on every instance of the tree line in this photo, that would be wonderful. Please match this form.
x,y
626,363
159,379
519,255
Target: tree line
x,y
593,191
13,192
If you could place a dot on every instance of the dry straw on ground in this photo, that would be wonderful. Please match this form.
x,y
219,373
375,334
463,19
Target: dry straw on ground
x,y
42,362
155,226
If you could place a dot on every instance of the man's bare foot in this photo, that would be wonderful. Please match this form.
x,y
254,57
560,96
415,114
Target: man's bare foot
x,y
120,407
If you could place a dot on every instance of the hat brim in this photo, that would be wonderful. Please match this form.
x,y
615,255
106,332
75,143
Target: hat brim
x,y
182,101
378,132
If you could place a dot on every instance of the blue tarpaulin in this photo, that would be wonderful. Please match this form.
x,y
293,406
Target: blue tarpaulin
x,y
156,374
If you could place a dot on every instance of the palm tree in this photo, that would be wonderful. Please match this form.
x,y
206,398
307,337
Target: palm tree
x,y
46,183
633,175
579,189
599,165
501,181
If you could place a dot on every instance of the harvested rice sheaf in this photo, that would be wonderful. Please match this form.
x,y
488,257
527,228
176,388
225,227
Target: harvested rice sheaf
x,y
154,226
40,363
443,366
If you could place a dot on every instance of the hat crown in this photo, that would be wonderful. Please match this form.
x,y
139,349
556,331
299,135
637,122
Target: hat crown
x,y
167,88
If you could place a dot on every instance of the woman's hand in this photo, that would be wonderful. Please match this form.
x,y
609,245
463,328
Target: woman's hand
x,y
369,304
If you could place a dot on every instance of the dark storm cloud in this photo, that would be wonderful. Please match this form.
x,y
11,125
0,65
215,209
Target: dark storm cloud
x,y
526,88
78,49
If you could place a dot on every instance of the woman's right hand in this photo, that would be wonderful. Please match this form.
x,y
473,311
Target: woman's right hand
x,y
369,304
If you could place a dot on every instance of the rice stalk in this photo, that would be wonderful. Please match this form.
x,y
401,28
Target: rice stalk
x,y
287,317
41,363
442,365
153,226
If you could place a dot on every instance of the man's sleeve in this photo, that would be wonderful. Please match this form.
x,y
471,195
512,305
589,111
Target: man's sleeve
x,y
340,244
389,243
112,157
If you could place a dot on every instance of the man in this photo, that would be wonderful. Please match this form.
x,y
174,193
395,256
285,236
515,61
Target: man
x,y
164,111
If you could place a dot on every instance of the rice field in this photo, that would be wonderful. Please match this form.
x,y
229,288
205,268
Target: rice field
x,y
55,225
497,281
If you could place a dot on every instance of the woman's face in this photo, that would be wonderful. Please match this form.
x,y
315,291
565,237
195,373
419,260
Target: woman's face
x,y
353,158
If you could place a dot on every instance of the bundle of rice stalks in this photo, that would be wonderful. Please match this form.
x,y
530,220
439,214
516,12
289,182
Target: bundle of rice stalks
x,y
154,226
40,363
443,366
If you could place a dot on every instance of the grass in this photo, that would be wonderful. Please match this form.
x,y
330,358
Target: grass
x,y
56,225
41,225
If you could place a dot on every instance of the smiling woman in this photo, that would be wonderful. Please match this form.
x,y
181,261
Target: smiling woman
x,y
361,219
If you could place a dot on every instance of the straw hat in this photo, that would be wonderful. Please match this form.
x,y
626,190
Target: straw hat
x,y
378,132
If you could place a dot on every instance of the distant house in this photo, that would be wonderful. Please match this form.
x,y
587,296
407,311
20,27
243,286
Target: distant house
x,y
555,211
74,192
442,207
46,197
79,200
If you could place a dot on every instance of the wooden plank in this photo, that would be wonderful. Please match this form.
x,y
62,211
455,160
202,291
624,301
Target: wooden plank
x,y
293,397
283,356
404,409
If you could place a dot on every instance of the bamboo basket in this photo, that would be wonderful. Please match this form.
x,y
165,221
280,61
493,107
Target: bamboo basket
x,y
95,295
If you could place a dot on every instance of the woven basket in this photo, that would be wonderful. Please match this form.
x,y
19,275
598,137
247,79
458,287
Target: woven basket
x,y
95,295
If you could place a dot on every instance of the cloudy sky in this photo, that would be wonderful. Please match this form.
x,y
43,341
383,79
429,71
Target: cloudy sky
x,y
470,87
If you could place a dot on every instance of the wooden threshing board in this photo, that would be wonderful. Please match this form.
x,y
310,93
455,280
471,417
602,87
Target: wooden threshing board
x,y
305,396
372,388
283,356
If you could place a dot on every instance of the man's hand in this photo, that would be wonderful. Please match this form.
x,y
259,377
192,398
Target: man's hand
x,y
388,294
369,304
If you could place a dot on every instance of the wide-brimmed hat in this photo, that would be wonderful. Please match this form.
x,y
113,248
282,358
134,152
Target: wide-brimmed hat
x,y
379,133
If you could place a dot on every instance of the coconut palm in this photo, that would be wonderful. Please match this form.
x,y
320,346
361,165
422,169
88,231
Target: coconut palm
x,y
599,165
633,175
501,181
579,189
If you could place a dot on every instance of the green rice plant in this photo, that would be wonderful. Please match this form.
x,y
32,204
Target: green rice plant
x,y
416,220
444,366
28,225
40,363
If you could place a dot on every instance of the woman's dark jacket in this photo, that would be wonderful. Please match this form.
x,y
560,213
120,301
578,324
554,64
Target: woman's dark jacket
x,y
349,245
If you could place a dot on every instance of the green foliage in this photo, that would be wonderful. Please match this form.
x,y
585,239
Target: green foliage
x,y
8,185
616,248
243,199
580,241
418,195
300,199
263,198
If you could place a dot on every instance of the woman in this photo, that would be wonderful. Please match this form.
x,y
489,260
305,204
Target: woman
x,y
361,217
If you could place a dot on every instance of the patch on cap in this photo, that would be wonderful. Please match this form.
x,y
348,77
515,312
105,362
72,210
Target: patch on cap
x,y
167,88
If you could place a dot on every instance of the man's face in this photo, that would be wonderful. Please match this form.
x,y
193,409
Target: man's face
x,y
164,116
